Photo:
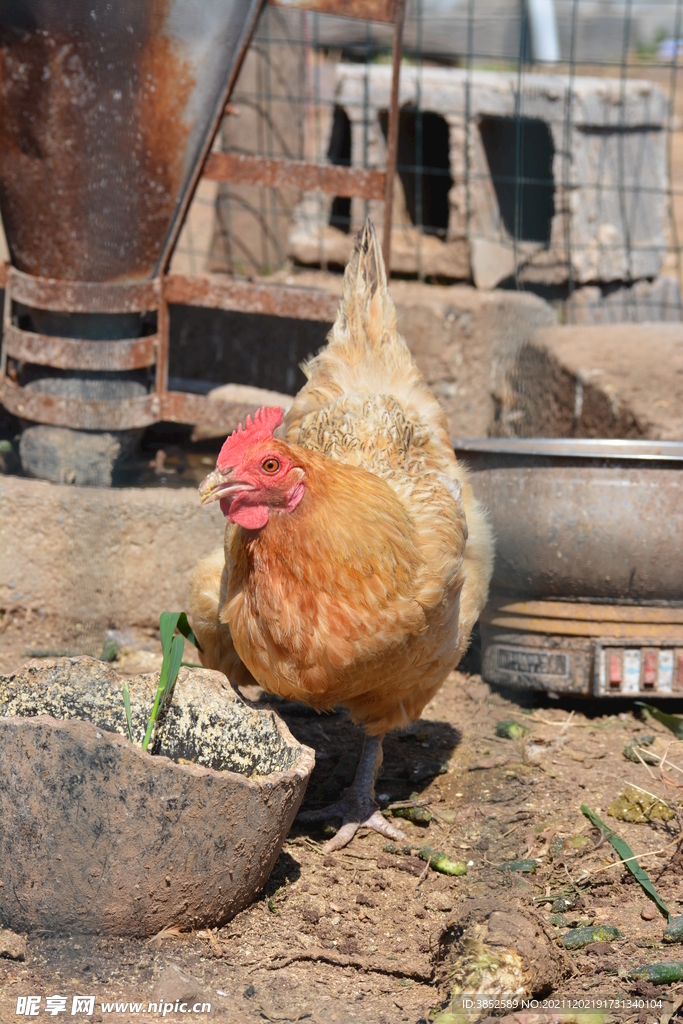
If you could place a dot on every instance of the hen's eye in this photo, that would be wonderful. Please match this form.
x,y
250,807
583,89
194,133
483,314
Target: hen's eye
x,y
270,465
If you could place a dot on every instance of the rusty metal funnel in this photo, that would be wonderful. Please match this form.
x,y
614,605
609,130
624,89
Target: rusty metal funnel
x,y
106,113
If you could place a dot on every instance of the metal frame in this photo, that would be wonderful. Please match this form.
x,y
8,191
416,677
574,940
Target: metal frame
x,y
207,290
74,354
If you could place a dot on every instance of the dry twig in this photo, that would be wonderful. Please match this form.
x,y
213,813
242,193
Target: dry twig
x,y
424,873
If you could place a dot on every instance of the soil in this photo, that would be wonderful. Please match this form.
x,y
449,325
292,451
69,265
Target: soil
x,y
372,935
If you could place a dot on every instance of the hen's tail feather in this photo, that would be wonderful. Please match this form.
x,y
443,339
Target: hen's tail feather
x,y
367,317
366,266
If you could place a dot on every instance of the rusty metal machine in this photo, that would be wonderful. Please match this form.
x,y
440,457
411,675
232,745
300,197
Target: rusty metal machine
x,y
107,117
587,589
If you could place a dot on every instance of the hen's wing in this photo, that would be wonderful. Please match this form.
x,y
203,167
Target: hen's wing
x,y
208,585
366,403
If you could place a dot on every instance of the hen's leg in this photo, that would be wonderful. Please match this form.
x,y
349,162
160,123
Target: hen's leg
x,y
357,807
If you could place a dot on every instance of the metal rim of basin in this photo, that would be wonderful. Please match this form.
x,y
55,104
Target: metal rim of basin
x,y
572,447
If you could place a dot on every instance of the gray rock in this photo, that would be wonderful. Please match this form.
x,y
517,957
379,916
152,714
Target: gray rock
x,y
63,456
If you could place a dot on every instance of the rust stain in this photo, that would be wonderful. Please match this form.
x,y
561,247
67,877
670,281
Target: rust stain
x,y
92,138
275,172
75,354
221,292
167,82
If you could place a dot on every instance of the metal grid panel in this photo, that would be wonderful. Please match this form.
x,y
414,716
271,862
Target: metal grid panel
x,y
529,157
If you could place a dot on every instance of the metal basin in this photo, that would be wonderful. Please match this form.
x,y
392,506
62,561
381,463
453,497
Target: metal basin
x,y
581,518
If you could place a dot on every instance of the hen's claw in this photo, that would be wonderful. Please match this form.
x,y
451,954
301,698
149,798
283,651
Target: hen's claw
x,y
353,817
348,830
357,807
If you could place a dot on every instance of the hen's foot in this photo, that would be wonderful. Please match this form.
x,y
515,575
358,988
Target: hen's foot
x,y
357,807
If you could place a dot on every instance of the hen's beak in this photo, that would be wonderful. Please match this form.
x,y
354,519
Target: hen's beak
x,y
220,484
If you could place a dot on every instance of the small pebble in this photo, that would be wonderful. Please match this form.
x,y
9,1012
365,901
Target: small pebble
x,y
648,913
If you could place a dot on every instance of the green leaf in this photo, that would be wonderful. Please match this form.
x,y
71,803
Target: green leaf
x,y
672,722
161,686
440,862
525,865
418,815
674,930
183,627
126,704
176,656
109,651
168,623
510,730
172,649
626,854
155,708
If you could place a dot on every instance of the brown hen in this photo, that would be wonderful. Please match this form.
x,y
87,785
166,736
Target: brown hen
x,y
356,559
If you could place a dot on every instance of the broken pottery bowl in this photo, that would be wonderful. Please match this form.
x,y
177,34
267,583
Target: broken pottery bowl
x,y
97,835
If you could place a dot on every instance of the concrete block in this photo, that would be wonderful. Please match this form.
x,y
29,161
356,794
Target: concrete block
x,y
621,380
590,153
100,556
643,302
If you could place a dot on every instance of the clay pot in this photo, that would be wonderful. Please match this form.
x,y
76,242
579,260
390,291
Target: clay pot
x,y
97,835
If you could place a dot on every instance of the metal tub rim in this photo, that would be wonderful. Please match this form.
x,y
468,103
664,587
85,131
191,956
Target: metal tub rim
x,y
571,447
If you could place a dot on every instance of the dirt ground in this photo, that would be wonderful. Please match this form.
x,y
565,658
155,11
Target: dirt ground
x,y
372,935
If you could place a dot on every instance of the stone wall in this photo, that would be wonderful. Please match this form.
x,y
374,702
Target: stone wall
x,y
599,216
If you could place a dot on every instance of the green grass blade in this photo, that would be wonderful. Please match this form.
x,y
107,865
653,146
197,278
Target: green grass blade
x,y
168,622
673,722
177,646
126,704
183,627
172,651
626,854
163,676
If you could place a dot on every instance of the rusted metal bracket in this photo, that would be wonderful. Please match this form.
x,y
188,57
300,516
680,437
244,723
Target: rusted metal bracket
x,y
77,354
212,291
348,182
392,131
74,354
78,297
209,291
122,414
331,179
80,413
82,296
215,291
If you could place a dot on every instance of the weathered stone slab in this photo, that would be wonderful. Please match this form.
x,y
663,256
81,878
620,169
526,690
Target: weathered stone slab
x,y
643,302
113,556
612,380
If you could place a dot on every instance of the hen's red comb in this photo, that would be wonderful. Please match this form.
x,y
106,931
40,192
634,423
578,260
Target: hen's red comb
x,y
265,422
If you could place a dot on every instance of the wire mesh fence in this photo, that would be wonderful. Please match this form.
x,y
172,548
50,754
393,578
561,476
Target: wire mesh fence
x,y
540,148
